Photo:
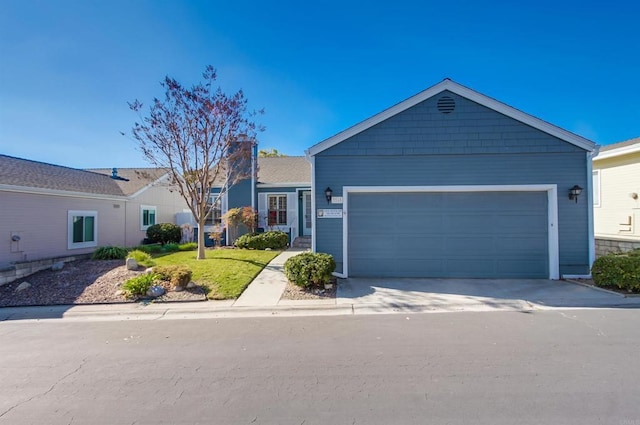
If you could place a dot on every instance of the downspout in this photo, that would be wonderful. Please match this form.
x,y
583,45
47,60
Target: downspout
x,y
590,218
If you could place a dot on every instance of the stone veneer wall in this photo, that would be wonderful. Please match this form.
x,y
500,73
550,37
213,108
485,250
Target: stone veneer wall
x,y
25,268
607,246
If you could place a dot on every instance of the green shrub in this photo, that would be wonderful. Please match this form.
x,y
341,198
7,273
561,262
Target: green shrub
x,y
142,258
178,275
189,246
271,240
164,233
110,253
309,269
149,249
138,286
618,270
171,247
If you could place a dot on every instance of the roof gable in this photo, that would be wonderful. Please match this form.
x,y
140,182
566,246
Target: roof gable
x,y
450,85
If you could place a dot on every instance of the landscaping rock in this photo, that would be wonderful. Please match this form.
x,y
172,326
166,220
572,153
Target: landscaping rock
x,y
178,289
118,293
155,291
24,285
57,266
132,264
149,270
191,285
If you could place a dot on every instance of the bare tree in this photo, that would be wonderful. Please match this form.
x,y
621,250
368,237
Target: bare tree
x,y
203,136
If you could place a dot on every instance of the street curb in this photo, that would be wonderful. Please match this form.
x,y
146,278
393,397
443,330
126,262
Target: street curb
x,y
597,288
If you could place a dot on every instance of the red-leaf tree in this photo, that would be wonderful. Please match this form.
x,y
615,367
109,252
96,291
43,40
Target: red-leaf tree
x,y
203,136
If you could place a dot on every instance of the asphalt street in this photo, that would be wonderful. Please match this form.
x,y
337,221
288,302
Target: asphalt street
x,y
537,367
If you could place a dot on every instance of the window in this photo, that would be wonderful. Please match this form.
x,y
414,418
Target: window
x,y
215,216
147,216
596,188
82,229
277,210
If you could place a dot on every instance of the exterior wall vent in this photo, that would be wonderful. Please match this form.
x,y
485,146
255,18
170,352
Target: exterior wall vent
x,y
446,104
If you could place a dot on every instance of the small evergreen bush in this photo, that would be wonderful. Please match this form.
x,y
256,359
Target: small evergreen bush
x,y
164,233
138,286
110,253
178,275
621,271
142,258
149,249
271,240
310,269
171,247
189,246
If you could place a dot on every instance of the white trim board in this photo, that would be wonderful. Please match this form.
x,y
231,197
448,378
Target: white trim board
x,y
552,213
452,86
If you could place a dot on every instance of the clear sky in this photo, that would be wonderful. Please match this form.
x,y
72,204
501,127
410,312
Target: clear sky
x,y
68,68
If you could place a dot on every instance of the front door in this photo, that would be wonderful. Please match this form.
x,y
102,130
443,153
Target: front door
x,y
306,208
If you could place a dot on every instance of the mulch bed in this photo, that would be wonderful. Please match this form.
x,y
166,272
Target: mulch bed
x,y
295,292
82,282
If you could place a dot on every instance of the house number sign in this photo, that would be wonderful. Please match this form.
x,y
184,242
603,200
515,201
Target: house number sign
x,y
330,213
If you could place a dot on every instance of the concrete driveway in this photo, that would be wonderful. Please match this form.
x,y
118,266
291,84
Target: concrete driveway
x,y
472,294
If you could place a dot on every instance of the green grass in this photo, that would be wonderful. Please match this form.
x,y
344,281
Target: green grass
x,y
225,273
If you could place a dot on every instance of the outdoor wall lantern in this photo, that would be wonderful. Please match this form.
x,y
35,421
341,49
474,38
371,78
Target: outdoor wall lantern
x,y
329,194
574,192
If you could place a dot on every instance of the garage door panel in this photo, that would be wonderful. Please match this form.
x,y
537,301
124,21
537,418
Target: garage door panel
x,y
466,246
417,246
518,245
519,268
483,234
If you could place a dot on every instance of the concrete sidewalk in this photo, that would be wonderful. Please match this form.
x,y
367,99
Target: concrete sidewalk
x,y
266,289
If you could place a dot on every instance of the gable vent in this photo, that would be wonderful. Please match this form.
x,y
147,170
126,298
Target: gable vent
x,y
446,104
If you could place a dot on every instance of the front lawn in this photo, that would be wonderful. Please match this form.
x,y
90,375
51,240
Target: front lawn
x,y
225,273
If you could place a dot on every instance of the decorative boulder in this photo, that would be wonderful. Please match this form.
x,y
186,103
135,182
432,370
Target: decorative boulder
x,y
132,264
57,266
24,285
155,291
191,284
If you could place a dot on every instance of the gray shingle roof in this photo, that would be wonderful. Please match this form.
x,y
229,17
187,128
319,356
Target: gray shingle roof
x,y
33,174
620,144
284,169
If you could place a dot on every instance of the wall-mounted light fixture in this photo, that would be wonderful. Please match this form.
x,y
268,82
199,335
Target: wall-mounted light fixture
x,y
574,192
329,194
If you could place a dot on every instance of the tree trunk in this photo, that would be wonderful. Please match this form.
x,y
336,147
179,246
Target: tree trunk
x,y
201,255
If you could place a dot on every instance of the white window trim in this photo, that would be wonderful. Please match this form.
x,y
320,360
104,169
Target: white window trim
x,y
77,213
552,213
596,188
286,197
150,208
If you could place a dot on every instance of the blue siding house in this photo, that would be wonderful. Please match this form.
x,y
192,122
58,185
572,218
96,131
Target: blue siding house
x,y
452,183
280,191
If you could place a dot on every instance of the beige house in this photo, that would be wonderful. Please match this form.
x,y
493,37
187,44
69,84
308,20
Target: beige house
x,y
49,211
616,197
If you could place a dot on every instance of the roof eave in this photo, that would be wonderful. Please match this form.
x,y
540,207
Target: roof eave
x,y
465,92
625,150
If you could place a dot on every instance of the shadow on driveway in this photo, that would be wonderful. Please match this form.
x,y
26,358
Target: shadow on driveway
x,y
460,294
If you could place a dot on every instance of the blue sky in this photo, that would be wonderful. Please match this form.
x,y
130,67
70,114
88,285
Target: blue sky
x,y
67,68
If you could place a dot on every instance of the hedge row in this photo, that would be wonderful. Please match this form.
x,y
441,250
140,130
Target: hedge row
x,y
270,240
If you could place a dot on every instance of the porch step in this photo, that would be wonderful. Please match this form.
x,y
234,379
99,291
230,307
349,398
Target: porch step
x,y
302,242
